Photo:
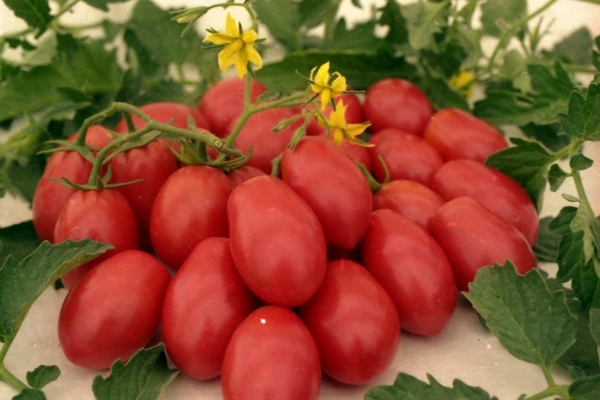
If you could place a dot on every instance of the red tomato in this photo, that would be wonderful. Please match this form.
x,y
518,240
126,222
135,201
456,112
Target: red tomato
x,y
472,237
332,185
271,356
406,156
354,323
397,103
113,311
190,206
458,134
205,302
164,112
242,174
494,190
277,243
102,215
413,269
50,196
415,201
224,102
153,163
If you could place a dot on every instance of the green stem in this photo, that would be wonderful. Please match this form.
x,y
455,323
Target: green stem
x,y
6,375
557,390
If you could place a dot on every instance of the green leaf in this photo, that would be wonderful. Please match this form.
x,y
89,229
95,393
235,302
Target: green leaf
x,y
579,162
546,245
551,136
585,389
532,323
314,12
423,21
42,375
35,12
583,115
30,394
20,239
359,38
391,16
595,324
143,377
575,48
103,4
283,20
408,387
497,15
556,177
22,282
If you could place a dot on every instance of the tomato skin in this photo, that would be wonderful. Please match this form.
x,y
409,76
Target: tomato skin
x,y
242,174
277,243
113,311
354,323
493,189
205,302
189,207
457,134
397,103
322,173
414,270
472,237
413,200
165,111
102,215
406,156
271,356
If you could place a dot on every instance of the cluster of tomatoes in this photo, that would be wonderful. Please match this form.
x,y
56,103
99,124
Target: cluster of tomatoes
x,y
267,281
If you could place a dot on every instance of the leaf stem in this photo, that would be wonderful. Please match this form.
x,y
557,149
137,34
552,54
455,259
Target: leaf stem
x,y
5,374
556,390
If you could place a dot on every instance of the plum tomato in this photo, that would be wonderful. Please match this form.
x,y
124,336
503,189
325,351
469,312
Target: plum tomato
x,y
223,102
271,355
190,206
397,103
50,196
493,189
333,186
406,156
102,215
242,174
277,243
165,111
457,134
412,267
114,310
473,237
413,200
354,323
204,304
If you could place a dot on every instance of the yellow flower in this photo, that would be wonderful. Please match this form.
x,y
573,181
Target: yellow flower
x,y
239,47
463,82
325,85
340,130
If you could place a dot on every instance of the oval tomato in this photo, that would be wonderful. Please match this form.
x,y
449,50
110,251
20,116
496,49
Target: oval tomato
x,y
242,174
473,237
271,355
496,191
322,174
277,243
204,304
397,103
413,269
457,134
190,206
113,311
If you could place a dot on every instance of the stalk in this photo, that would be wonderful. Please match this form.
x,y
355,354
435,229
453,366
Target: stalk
x,y
6,375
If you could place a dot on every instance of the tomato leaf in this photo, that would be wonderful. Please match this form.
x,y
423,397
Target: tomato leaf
x,y
30,394
423,21
595,324
22,282
532,323
583,115
42,375
283,19
408,387
103,4
546,245
143,377
391,16
497,15
575,48
35,12
585,389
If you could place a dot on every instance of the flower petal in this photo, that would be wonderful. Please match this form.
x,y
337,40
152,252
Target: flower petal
x,y
219,38
322,77
231,26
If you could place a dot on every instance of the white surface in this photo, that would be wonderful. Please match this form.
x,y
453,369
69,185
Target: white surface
x,y
464,350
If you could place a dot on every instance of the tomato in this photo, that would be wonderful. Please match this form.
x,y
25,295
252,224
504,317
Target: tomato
x,y
397,103
242,174
496,191
153,163
50,196
271,355
190,206
406,156
413,269
354,323
113,311
223,102
102,215
458,134
164,111
472,237
354,113
323,174
277,243
415,201
205,302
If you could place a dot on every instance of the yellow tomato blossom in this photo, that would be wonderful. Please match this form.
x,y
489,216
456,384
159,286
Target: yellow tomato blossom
x,y
325,85
340,130
463,82
239,47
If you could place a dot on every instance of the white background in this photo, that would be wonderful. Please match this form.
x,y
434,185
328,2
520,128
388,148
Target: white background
x,y
464,350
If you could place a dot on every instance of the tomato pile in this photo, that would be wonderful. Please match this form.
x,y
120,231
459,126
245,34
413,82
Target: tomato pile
x,y
269,279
